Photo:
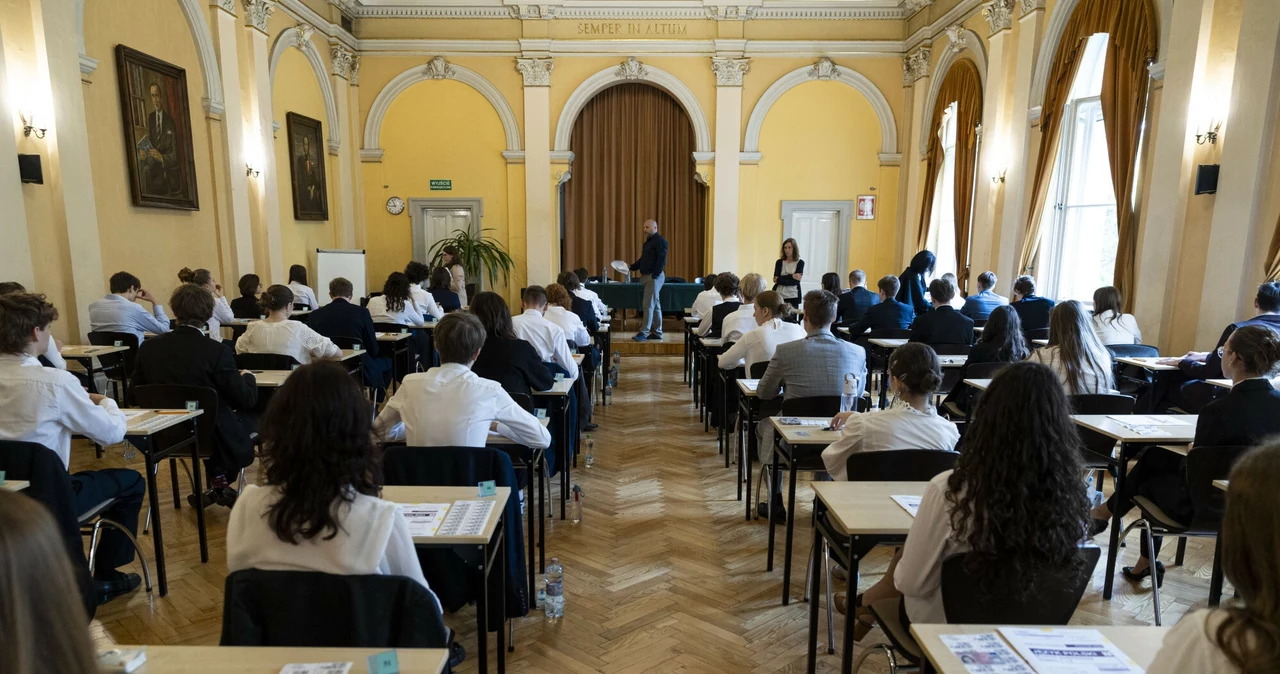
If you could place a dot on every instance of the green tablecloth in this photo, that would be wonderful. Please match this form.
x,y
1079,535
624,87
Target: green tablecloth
x,y
675,297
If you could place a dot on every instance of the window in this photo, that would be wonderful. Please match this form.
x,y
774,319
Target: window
x,y
1078,248
942,222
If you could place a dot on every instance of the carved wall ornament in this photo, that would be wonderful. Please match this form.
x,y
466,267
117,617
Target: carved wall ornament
x,y
536,72
999,14
729,72
438,69
824,69
632,69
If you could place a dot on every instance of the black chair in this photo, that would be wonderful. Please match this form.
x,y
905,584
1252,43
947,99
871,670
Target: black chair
x,y
524,400
899,465
1204,465
305,609
757,369
1098,447
951,375
117,367
1131,379
1057,593
265,361
300,307
953,407
1039,333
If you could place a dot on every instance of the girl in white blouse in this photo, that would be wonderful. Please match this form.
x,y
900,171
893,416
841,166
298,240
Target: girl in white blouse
x,y
277,334
302,293
1243,635
1015,503
909,423
1111,324
319,509
1081,362
222,314
758,345
395,304
560,312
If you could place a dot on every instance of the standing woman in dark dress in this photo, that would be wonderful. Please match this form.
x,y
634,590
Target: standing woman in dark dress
x,y
913,290
787,272
505,358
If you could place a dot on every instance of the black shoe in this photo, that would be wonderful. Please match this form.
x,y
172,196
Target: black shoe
x,y
640,337
656,335
224,496
203,500
590,427
1098,526
1137,577
777,511
118,584
456,654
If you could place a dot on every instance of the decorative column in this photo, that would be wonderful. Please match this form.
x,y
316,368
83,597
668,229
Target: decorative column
x,y
257,13
1013,217
235,193
728,144
341,62
354,131
992,160
1172,168
915,80
15,254
541,241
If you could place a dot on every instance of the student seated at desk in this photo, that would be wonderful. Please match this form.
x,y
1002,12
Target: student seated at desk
x,y
341,318
831,283
581,307
1015,503
854,304
909,423
445,299
582,291
547,338
451,406
712,321
1109,320
560,311
278,334
1032,309
888,313
319,509
1002,341
185,357
1074,353
44,627
425,298
943,325
222,314
1245,416
707,299
759,344
979,305
956,300
246,305
505,358
52,353
1241,636
1194,393
302,293
46,406
743,319
396,304
118,311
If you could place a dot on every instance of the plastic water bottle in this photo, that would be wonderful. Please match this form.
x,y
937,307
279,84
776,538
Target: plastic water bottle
x,y
847,400
617,367
541,598
589,458
576,515
553,602
608,393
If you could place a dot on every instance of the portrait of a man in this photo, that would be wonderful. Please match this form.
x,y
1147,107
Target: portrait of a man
x,y
306,161
157,129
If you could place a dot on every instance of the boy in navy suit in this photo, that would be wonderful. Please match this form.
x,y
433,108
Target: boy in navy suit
x,y
855,303
341,318
889,314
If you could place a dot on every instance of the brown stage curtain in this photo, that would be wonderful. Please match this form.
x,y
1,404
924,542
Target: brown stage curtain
x,y
1273,256
633,160
961,86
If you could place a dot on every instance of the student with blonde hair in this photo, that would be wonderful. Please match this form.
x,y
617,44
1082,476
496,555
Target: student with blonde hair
x,y
772,328
743,319
560,312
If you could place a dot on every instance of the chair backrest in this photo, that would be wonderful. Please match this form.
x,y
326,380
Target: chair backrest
x,y
899,465
816,406
1133,351
1204,465
265,361
951,349
524,400
174,397
347,342
757,369
1101,403
123,358
1038,333
983,370
1057,593
980,322
305,609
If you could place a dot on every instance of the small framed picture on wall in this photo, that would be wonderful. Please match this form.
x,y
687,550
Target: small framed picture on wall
x,y
866,207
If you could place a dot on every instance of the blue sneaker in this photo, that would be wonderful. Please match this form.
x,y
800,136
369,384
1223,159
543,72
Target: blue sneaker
x,y
640,337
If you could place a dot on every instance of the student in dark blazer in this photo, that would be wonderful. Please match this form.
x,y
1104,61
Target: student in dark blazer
x,y
341,318
186,357
943,325
1032,309
853,305
911,283
440,292
246,305
888,314
1194,393
1247,415
727,285
505,358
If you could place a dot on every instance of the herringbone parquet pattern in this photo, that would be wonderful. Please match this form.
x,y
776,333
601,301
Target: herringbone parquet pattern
x,y
663,574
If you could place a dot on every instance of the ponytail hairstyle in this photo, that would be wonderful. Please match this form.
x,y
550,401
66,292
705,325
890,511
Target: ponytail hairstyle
x,y
1258,349
275,298
776,306
917,366
200,277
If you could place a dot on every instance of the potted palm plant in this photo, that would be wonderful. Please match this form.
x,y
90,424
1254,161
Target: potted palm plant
x,y
477,253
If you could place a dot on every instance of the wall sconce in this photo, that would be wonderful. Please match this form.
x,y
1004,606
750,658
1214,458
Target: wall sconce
x,y
1210,136
251,172
999,178
29,126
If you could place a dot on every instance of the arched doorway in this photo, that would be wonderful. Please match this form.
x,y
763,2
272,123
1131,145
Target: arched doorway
x,y
633,150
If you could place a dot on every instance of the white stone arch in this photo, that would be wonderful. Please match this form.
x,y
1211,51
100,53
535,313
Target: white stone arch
x,y
633,71
289,38
824,69
436,69
971,43
1053,36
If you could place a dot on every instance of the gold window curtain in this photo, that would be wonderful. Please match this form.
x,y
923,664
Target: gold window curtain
x,y
963,86
633,150
1273,256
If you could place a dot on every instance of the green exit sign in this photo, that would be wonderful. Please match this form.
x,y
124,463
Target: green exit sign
x,y
441,185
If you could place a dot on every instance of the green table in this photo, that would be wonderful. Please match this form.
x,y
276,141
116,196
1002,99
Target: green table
x,y
674,298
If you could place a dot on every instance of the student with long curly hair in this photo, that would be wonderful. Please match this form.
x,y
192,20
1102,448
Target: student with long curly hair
x,y
395,304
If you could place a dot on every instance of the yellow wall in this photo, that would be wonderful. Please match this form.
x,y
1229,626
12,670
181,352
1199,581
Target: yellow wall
x,y
296,89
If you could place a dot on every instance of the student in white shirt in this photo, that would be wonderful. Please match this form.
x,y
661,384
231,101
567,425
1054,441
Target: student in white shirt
x,y
1112,325
1241,635
547,338
727,284
910,422
758,344
222,314
451,406
1074,353
117,312
560,312
52,353
302,293
47,406
1015,493
708,298
277,334
395,304
419,273
319,509
743,319
602,311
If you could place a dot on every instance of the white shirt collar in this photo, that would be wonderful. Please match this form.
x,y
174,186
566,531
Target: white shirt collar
x,y
532,312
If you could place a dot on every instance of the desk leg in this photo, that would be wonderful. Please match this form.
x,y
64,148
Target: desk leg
x,y
791,523
503,646
195,471
684,374
482,611
884,383
773,478
157,536
846,646
529,467
563,411
1116,523
740,447
747,456
816,580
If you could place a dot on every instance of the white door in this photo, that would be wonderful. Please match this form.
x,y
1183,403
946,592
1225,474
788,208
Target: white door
x,y
817,234
441,223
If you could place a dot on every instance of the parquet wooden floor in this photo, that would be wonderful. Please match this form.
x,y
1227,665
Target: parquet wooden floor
x,y
662,575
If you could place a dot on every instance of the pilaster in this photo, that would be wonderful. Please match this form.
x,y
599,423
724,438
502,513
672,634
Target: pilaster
x,y
256,15
992,159
235,196
915,80
1017,152
341,60
541,239
729,74
15,254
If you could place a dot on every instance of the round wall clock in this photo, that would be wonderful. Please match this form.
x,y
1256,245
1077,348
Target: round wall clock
x,y
395,205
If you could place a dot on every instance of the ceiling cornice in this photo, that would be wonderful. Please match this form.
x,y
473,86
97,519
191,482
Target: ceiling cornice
x,y
304,14
652,10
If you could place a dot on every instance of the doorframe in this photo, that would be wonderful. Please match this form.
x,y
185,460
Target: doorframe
x,y
844,208
418,207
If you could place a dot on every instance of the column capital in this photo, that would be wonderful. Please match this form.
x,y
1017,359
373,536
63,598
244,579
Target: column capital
x,y
342,60
302,35
228,6
999,14
958,38
729,71
915,66
257,13
1029,6
354,74
536,71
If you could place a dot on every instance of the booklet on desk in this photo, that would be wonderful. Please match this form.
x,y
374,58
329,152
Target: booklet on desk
x,y
1052,650
424,518
984,653
317,668
909,503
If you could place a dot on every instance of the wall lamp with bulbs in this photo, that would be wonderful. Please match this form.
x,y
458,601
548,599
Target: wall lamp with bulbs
x,y
1210,136
999,178
251,172
29,127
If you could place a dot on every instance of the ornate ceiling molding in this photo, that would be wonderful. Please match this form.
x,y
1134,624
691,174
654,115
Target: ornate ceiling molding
x,y
687,10
913,6
1029,6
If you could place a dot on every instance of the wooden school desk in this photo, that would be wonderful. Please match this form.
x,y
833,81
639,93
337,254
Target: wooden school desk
x,y
791,445
852,518
530,460
270,660
399,344
488,543
748,409
84,355
885,348
1139,642
19,485
689,324
270,378
1221,484
558,402
709,349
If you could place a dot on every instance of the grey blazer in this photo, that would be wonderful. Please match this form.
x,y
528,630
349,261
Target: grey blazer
x,y
813,366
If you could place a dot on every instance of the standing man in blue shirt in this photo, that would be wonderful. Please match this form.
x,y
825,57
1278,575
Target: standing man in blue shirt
x,y
118,312
653,259
979,305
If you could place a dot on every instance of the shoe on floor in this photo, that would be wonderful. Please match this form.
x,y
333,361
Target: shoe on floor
x,y
640,337
762,510
656,335
204,500
116,584
777,511
590,427
225,496
1098,526
456,654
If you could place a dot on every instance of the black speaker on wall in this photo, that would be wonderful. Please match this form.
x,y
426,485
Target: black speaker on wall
x,y
1207,179
29,169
